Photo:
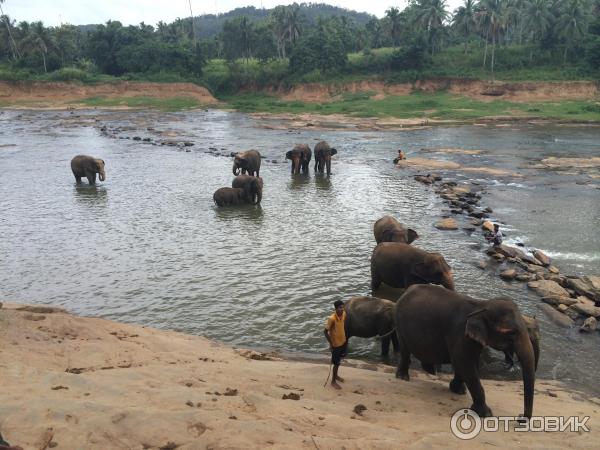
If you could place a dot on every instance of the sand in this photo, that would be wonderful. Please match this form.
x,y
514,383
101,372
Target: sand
x,y
71,382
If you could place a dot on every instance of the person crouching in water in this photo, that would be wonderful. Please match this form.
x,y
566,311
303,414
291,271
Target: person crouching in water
x,y
336,336
400,157
496,237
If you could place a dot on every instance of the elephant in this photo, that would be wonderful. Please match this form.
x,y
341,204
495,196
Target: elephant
x,y
247,162
227,196
87,166
253,186
388,229
300,156
439,326
533,330
323,154
400,265
368,317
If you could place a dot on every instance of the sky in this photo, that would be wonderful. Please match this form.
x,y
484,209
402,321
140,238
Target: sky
x,y
132,12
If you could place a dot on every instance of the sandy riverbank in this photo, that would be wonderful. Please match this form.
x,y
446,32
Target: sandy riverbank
x,y
70,382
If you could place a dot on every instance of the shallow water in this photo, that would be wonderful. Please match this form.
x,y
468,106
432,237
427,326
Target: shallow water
x,y
148,246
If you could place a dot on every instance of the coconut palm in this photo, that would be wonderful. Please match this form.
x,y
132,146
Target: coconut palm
x,y
6,20
538,19
573,22
38,38
464,20
492,18
432,14
393,15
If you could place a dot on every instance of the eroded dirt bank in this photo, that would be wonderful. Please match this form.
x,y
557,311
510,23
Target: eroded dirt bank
x,y
57,95
477,89
71,382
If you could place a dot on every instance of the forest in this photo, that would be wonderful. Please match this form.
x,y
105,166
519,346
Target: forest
x,y
308,42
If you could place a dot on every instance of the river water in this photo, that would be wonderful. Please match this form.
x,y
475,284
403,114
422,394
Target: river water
x,y
148,246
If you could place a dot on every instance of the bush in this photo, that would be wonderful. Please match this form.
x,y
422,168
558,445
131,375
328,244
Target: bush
x,y
69,74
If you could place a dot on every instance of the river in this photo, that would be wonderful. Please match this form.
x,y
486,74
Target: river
x,y
148,246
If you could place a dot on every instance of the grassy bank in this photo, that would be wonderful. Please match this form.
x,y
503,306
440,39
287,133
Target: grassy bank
x,y
142,102
439,105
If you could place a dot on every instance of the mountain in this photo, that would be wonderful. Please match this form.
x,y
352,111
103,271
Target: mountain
x,y
209,25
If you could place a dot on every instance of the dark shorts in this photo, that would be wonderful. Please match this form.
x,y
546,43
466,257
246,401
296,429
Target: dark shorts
x,y
337,353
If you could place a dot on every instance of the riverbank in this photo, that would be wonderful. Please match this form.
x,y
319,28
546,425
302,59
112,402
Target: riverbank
x,y
75,382
370,104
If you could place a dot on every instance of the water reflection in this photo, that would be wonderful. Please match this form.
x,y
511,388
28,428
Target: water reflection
x,y
322,182
93,195
254,213
299,180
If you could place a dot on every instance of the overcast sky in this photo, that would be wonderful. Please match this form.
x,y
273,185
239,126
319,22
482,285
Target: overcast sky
x,y
132,12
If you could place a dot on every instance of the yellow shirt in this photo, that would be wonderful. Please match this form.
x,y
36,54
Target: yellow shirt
x,y
335,327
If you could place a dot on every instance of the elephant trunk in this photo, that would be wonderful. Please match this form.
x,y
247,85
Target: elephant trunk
x,y
236,169
102,175
535,343
258,195
448,281
525,352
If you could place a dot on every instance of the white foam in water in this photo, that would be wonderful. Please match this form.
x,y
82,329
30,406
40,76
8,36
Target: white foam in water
x,y
574,256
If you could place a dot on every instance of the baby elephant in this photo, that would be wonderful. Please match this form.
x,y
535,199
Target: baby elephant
x,y
87,166
227,196
388,229
368,317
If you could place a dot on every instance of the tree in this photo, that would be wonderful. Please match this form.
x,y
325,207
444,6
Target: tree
x,y
320,50
491,19
538,18
393,15
6,20
432,14
464,20
38,39
572,23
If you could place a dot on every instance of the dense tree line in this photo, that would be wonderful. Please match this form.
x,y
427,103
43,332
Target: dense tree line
x,y
562,31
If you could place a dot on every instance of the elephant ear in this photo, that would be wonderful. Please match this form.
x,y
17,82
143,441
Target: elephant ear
x,y
476,328
421,271
333,151
411,235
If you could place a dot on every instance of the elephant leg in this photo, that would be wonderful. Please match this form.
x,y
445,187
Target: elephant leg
x,y
470,375
457,385
429,368
91,176
375,281
328,167
508,359
403,363
394,338
77,179
385,346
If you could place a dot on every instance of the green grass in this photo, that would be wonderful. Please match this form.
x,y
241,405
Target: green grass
x,y
163,104
439,105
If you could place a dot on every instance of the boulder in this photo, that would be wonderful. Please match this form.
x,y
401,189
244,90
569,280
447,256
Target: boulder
x,y
530,259
562,308
548,288
586,301
541,257
523,277
572,313
476,222
584,286
590,324
487,226
447,224
556,316
586,310
498,257
554,270
556,300
482,265
511,251
508,274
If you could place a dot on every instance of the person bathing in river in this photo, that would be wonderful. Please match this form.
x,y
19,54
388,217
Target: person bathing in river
x,y
400,157
496,237
336,336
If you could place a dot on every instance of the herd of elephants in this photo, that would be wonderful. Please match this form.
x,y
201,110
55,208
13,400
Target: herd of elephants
x,y
430,320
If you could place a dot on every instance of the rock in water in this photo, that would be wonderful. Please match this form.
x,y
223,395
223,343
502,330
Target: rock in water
x,y
541,257
590,324
556,316
447,224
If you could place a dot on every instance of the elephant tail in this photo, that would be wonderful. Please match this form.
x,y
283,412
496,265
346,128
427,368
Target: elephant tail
x,y
393,330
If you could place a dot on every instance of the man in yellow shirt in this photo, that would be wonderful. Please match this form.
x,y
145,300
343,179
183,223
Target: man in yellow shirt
x,y
336,336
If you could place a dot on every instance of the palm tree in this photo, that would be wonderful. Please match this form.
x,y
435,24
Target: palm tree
x,y
6,20
492,17
38,38
293,19
573,22
432,14
278,25
393,15
538,18
464,20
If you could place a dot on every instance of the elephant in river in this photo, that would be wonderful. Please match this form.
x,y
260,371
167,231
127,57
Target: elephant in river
x,y
323,154
439,326
368,317
247,162
400,265
388,229
300,156
227,196
87,166
253,186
